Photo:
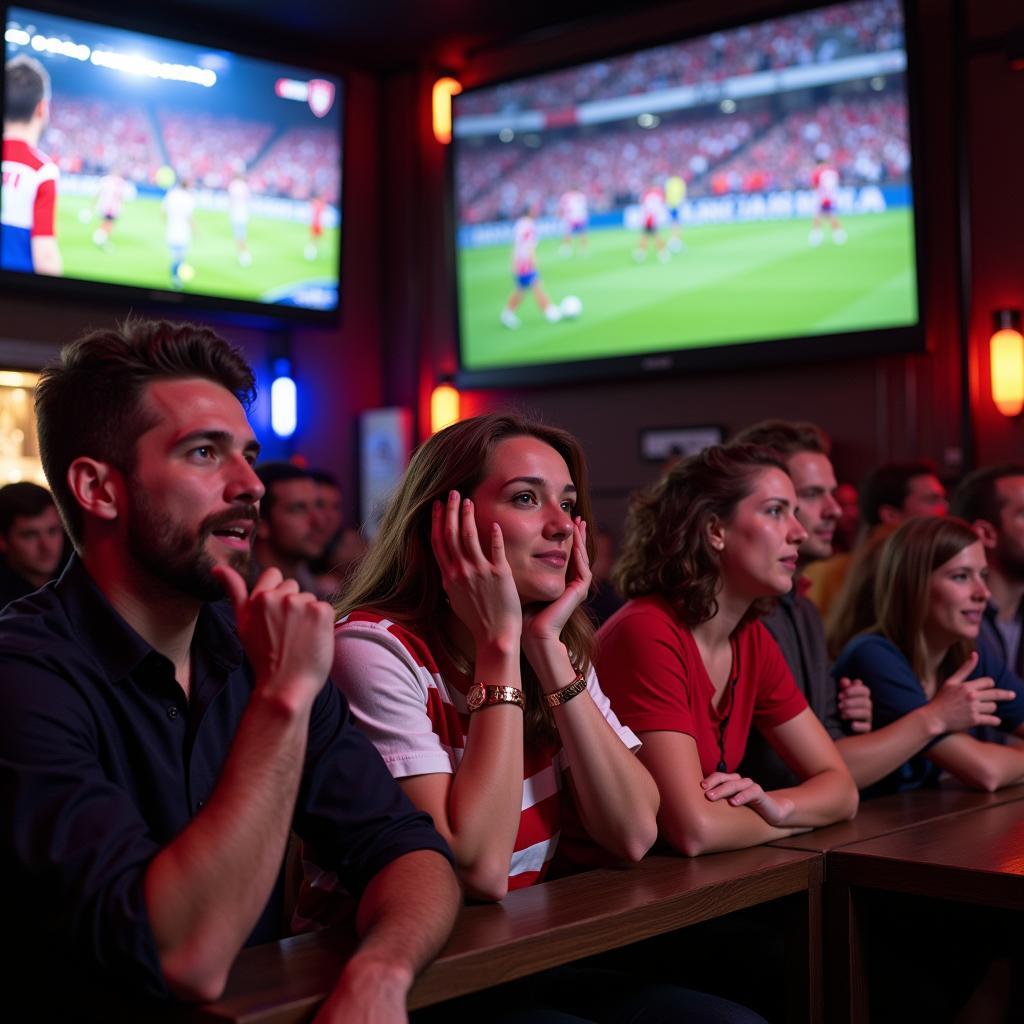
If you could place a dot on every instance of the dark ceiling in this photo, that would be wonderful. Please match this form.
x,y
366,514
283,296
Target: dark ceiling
x,y
378,35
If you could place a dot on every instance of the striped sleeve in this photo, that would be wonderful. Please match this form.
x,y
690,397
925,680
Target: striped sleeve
x,y
394,699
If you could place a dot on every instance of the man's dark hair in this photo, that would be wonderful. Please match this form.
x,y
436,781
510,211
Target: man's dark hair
x,y
89,403
26,83
271,473
787,437
22,499
976,496
321,476
888,485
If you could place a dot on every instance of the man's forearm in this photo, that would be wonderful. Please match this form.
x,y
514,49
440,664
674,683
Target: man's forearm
x,y
206,889
408,909
405,916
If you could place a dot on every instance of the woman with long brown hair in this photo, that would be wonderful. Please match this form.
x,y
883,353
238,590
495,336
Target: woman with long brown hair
x,y
929,596
689,667
465,654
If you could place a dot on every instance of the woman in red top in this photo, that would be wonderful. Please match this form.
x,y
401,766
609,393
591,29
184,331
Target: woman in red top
x,y
689,668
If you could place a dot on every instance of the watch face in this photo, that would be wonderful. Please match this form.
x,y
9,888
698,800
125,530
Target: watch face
x,y
475,698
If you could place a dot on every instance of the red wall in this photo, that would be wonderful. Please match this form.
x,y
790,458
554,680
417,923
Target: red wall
x,y
997,212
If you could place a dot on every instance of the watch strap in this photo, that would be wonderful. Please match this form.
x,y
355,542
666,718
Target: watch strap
x,y
487,696
566,693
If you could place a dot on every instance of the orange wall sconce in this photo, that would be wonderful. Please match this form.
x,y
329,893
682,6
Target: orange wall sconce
x,y
1006,356
444,89
444,406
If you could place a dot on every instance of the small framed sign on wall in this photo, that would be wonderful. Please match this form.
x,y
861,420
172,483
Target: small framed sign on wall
x,y
663,443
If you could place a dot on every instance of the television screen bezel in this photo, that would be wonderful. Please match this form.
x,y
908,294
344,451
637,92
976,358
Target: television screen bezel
x,y
178,303
753,354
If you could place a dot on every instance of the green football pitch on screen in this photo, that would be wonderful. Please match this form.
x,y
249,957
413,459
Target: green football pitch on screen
x,y
730,283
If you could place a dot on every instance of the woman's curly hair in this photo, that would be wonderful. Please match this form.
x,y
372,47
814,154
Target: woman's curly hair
x,y
668,549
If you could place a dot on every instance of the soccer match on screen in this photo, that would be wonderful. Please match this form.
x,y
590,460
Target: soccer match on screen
x,y
750,185
168,166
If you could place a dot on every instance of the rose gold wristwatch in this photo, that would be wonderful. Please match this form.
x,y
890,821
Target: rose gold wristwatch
x,y
481,696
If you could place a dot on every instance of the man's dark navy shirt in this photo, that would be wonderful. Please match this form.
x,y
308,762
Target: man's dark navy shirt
x,y
991,636
103,762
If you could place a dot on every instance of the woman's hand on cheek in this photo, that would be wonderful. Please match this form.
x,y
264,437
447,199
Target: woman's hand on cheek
x,y
544,623
480,587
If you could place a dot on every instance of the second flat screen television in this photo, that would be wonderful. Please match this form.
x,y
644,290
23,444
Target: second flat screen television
x,y
741,188
169,166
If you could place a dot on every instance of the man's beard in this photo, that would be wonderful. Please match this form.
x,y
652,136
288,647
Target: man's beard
x,y
176,554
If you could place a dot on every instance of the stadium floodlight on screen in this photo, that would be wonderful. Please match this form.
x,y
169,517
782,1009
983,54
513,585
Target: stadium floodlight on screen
x,y
719,201
187,171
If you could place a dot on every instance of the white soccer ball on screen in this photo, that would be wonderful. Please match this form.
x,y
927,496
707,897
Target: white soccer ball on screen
x,y
571,306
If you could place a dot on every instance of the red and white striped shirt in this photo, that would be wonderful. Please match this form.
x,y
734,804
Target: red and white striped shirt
x,y
412,705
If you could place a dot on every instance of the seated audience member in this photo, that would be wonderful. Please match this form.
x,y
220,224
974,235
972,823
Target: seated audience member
x,y
155,749
793,620
848,524
992,501
930,595
853,610
31,540
464,651
328,506
342,547
889,495
603,601
690,668
288,535
328,518
797,628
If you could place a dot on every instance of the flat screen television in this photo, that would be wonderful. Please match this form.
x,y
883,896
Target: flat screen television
x,y
184,170
725,200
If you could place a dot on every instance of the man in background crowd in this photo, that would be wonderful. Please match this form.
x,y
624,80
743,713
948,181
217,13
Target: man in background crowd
x,y
343,547
31,540
794,622
289,535
849,521
889,494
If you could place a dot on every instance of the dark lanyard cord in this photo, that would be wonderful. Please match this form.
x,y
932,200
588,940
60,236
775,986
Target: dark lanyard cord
x,y
734,676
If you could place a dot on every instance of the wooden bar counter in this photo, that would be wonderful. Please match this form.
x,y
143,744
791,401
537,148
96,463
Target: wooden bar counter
x,y
544,926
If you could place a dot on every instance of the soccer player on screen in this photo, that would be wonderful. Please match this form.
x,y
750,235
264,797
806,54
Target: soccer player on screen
x,y
652,214
316,226
238,213
825,182
29,193
179,206
112,194
675,193
572,208
524,271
